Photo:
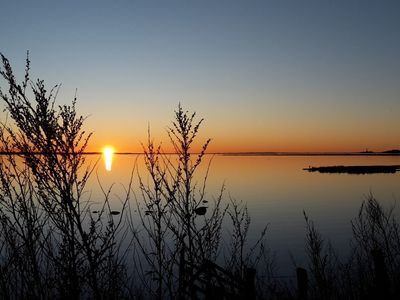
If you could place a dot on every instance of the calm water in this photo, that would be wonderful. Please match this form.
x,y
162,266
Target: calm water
x,y
277,190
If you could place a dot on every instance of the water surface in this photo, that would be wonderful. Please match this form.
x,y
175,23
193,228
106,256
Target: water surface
x,y
277,190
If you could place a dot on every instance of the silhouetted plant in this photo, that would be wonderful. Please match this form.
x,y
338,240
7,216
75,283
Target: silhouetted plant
x,y
376,230
323,262
70,250
241,257
182,228
154,241
23,273
372,269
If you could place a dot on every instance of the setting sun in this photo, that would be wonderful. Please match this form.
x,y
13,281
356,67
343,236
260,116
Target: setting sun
x,y
108,155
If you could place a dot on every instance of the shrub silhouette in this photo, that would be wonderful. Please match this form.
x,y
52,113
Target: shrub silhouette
x,y
175,211
44,217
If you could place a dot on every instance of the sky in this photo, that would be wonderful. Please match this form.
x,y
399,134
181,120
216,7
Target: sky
x,y
282,75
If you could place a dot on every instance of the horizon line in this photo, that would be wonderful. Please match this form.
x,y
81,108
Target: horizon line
x,y
393,152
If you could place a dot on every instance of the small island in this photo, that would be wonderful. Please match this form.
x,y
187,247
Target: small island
x,y
355,169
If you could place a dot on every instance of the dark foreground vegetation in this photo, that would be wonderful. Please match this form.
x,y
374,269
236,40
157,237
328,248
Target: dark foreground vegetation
x,y
168,241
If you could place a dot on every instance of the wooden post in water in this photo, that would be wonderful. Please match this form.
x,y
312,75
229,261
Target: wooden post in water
x,y
302,284
249,283
382,285
182,283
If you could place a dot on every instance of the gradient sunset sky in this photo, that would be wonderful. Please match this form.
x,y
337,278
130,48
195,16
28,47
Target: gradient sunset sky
x,y
284,75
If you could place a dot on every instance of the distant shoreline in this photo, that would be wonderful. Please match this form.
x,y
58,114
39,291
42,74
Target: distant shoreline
x,y
385,153
309,154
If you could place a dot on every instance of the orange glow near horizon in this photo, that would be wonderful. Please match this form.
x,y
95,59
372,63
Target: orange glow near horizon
x,y
220,146
108,156
263,142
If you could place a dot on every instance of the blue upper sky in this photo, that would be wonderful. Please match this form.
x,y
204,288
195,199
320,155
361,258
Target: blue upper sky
x,y
266,75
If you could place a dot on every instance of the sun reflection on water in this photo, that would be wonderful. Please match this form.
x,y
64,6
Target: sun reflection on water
x,y
108,156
